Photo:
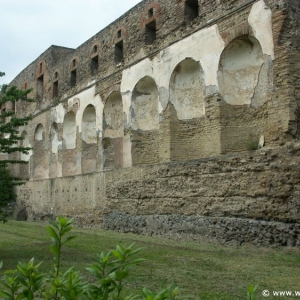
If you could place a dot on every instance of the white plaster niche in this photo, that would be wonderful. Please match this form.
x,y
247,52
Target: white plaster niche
x,y
239,70
39,134
113,116
25,143
69,131
55,169
39,158
187,89
144,105
89,133
54,138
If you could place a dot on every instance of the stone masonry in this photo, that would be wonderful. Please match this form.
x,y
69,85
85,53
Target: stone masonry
x,y
181,118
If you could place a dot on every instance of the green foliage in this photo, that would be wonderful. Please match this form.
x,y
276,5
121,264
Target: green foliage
x,y
251,292
9,139
110,271
169,293
253,144
7,183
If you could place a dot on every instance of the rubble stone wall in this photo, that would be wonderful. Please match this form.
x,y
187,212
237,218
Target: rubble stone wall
x,y
249,197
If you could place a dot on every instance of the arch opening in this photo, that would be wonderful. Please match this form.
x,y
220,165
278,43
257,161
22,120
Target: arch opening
x,y
39,134
25,143
113,131
187,89
69,131
243,72
89,132
144,105
54,138
113,116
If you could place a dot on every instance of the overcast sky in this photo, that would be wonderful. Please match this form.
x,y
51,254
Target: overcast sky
x,y
29,27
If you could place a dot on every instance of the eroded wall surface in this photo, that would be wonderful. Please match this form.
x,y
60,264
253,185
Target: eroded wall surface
x,y
241,198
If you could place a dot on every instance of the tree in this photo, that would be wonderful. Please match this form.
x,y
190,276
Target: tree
x,y
9,141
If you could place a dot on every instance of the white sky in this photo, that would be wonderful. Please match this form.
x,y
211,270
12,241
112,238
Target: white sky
x,y
29,27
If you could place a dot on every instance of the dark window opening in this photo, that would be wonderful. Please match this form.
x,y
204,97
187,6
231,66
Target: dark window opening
x,y
95,49
55,89
73,78
41,68
191,10
55,75
150,33
119,33
74,63
94,65
40,87
119,52
150,13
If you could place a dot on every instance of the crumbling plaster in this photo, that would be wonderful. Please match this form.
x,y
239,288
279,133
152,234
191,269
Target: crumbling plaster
x,y
25,143
113,115
78,103
161,67
260,20
240,66
204,46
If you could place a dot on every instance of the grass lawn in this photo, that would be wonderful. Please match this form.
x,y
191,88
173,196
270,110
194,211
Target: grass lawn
x,y
202,271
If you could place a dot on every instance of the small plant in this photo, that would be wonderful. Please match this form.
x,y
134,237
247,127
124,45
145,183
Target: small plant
x,y
252,144
169,293
251,292
110,271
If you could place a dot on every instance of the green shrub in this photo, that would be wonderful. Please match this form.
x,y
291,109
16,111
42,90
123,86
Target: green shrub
x,y
252,144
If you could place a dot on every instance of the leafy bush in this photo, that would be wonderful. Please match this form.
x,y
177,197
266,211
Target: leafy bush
x,y
110,270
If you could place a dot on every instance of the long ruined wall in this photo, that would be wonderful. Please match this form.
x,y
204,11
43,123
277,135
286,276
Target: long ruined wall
x,y
145,126
251,197
206,94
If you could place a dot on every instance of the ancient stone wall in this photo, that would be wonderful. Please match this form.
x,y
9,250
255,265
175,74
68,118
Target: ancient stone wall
x,y
167,83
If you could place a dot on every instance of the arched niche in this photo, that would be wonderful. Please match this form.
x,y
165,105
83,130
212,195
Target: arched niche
x,y
25,143
39,150
54,165
144,106
242,72
113,131
24,168
69,131
54,138
113,116
187,90
39,134
89,132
